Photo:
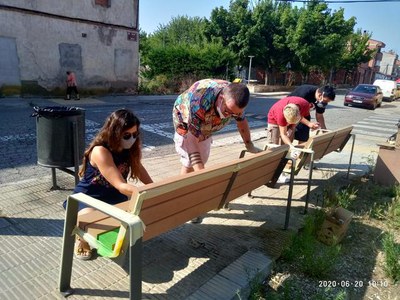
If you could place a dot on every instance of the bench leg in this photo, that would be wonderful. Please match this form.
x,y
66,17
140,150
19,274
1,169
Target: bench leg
x,y
290,195
351,154
309,182
68,248
135,270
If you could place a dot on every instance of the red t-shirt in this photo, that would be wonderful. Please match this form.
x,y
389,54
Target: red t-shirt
x,y
275,114
71,79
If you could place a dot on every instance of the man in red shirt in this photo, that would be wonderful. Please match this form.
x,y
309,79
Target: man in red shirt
x,y
71,86
283,117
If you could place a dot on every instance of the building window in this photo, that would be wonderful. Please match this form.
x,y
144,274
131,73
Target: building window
x,y
105,3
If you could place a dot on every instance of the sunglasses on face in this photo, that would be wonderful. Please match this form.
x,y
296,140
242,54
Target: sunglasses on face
x,y
128,135
229,112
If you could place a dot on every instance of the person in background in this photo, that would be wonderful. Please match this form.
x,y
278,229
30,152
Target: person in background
x,y
284,116
112,158
318,97
71,86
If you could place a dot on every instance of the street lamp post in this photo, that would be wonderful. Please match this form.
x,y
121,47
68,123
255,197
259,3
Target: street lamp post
x,y
251,57
288,66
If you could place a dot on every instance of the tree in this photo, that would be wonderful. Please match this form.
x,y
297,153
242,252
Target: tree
x,y
356,52
181,49
233,28
319,37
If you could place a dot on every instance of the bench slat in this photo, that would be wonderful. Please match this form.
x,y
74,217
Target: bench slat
x,y
340,140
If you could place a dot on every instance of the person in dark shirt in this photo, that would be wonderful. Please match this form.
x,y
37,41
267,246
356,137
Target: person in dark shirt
x,y
318,97
111,160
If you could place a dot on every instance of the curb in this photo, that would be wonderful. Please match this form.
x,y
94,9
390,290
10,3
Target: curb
x,y
237,279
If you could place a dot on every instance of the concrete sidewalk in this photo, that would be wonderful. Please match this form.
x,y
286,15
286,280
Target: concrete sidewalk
x,y
212,260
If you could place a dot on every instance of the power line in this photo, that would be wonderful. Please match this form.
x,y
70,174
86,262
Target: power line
x,y
341,1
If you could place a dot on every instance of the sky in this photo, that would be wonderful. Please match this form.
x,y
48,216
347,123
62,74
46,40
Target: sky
x,y
381,19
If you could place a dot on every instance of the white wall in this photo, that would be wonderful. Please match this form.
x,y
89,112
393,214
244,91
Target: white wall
x,y
47,46
121,12
387,63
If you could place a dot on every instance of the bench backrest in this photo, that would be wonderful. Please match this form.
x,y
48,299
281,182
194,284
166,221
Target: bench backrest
x,y
323,144
340,139
167,204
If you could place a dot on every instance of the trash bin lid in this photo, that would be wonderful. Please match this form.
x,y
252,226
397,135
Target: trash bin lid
x,y
56,111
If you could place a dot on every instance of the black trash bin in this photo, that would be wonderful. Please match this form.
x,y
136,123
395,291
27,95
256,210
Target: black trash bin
x,y
59,131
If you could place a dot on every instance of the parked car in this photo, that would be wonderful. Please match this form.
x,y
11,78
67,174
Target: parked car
x,y
397,92
364,95
388,88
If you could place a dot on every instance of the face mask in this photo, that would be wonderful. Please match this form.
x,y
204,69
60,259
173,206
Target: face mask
x,y
221,115
321,104
127,144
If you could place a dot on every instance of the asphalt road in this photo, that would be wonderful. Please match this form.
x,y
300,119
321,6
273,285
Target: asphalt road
x,y
18,129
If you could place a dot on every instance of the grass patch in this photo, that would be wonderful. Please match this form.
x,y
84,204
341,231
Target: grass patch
x,y
305,261
310,256
392,257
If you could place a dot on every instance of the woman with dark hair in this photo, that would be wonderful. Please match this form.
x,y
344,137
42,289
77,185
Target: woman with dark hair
x,y
112,158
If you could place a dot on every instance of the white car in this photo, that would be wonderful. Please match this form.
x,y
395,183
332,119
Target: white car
x,y
388,88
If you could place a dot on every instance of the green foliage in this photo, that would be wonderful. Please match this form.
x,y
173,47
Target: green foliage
x,y
10,90
256,288
311,257
393,211
319,37
370,162
274,32
343,198
392,255
378,211
386,210
159,85
356,51
209,60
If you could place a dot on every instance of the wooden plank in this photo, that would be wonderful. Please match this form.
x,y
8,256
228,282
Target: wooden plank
x,y
152,212
319,144
248,180
171,222
341,138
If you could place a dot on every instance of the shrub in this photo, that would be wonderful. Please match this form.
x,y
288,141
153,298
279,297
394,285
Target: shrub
x,y
343,197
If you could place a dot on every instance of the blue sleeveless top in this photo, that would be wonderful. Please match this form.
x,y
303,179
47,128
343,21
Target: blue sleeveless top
x,y
95,185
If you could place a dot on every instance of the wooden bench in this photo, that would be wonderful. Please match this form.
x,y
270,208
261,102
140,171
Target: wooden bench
x,y
317,147
159,207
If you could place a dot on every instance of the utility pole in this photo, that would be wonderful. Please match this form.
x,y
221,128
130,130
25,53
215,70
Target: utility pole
x,y
251,57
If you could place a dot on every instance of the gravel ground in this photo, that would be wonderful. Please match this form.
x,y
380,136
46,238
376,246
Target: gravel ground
x,y
359,271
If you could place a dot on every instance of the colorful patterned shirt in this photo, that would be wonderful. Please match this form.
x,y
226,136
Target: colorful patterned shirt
x,y
194,110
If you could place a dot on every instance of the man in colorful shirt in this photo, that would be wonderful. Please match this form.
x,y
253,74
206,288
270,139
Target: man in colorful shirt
x,y
206,107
